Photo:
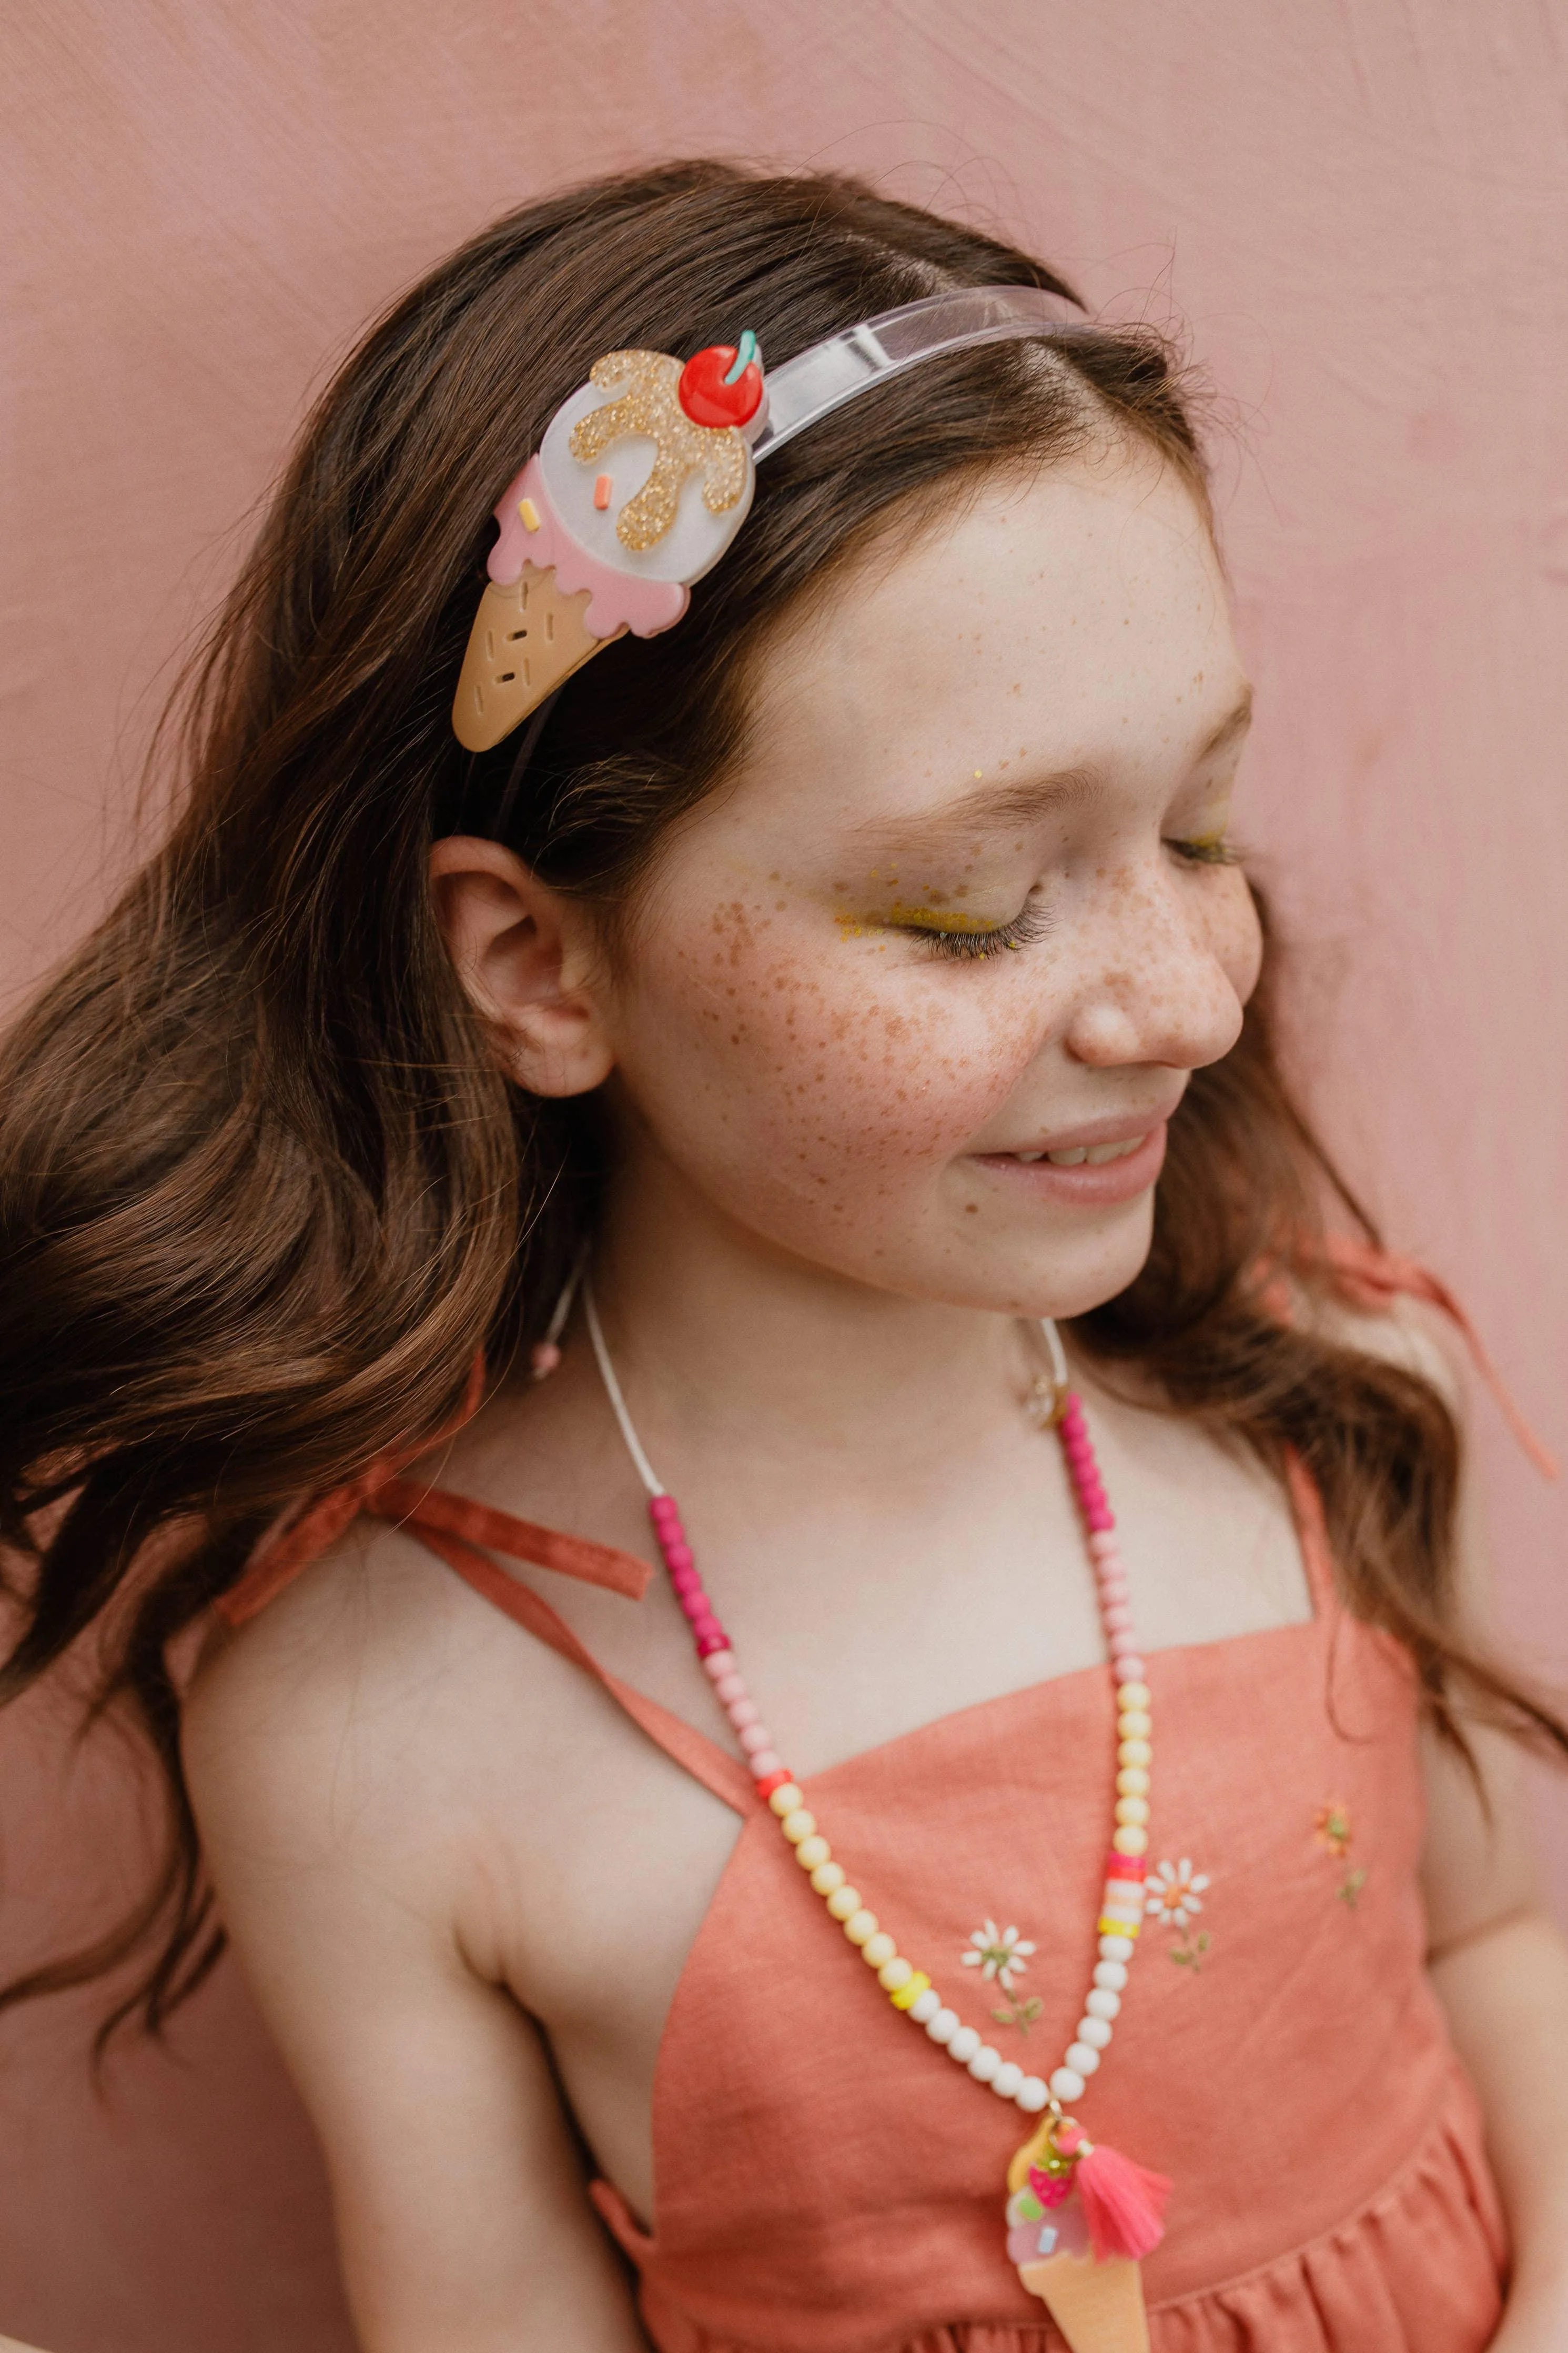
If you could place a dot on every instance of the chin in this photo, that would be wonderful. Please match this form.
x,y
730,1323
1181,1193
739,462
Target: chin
x,y
1069,1273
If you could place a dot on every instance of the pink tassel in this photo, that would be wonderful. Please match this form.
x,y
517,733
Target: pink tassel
x,y
1124,2203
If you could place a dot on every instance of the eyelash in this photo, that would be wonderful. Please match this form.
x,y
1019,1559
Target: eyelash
x,y
1207,853
1030,924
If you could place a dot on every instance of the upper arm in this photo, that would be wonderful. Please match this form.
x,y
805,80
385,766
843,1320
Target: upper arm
x,y
324,1790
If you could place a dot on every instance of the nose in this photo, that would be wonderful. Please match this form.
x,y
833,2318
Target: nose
x,y
1162,978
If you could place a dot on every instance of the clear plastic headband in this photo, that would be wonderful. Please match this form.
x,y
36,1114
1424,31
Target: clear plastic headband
x,y
644,475
830,372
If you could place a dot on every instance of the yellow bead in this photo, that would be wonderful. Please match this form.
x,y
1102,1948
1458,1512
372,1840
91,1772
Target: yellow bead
x,y
1132,1810
894,1975
844,1903
1134,1723
1129,1841
798,1824
861,1926
811,1852
878,1949
1132,1782
904,1997
1119,1927
827,1877
786,1799
1133,1695
1134,1752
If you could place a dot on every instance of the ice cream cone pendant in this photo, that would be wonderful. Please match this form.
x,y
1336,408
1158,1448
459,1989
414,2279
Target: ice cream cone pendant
x,y
1076,2239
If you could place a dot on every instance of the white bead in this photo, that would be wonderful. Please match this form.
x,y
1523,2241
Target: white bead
x,y
984,2063
861,1926
1133,1695
1104,2002
1133,1724
1112,1975
798,1824
894,1974
1031,2095
1134,1752
1007,2080
813,1853
1082,2057
1133,1781
827,1877
784,1800
1095,2031
878,1949
1132,1809
944,2026
1116,1948
963,2045
926,2008
1066,2085
844,1903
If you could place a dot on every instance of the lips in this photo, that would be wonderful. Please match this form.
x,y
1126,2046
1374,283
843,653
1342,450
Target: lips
x,y
1093,1175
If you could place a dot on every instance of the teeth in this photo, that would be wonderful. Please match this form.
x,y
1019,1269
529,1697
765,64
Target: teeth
x,y
1096,1155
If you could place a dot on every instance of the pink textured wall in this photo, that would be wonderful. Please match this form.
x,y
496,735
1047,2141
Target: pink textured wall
x,y
1358,209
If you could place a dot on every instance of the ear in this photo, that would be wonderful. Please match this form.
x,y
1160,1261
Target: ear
x,y
526,959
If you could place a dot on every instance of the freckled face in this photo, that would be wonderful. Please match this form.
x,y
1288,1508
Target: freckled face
x,y
967,904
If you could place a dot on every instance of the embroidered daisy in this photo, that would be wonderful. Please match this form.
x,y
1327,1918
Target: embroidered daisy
x,y
999,1953
1332,1828
1174,1892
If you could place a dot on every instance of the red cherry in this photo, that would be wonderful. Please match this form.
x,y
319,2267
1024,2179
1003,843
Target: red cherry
x,y
708,399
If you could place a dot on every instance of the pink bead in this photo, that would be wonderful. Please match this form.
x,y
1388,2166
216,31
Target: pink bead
x,y
756,1739
728,1688
1122,1645
718,1664
741,1712
1117,1617
1128,1668
678,1557
708,1644
1099,1515
1113,1589
765,1762
686,1581
661,1508
695,1602
707,1628
1104,1547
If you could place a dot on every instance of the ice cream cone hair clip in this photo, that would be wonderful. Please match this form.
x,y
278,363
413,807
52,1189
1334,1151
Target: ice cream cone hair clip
x,y
645,474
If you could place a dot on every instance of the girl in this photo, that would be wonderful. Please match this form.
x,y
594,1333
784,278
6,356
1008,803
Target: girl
x,y
827,1046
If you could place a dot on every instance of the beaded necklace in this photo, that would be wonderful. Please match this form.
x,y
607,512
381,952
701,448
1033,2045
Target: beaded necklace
x,y
1078,2215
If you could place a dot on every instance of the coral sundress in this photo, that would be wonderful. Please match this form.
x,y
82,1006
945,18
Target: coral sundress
x,y
826,2182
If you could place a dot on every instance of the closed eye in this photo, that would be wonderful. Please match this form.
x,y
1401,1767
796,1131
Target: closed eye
x,y
1209,849
961,937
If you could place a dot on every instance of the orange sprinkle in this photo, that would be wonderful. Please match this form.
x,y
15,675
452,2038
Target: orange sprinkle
x,y
602,489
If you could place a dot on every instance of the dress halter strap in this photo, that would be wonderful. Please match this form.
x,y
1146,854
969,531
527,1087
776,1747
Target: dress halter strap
x,y
456,1528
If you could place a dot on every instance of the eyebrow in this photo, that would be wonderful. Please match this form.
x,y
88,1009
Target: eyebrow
x,y
989,806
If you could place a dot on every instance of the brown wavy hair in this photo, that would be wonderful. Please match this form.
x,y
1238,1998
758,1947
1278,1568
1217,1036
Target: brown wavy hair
x,y
264,1192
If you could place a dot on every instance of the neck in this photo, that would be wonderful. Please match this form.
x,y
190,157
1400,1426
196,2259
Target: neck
x,y
715,1331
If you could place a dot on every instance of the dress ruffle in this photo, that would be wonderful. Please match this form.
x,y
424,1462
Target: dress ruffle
x,y
1417,2269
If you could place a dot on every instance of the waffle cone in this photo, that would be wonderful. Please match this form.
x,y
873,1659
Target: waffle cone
x,y
527,639
1098,2306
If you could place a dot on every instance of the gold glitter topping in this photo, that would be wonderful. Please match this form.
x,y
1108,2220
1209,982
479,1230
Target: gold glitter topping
x,y
651,405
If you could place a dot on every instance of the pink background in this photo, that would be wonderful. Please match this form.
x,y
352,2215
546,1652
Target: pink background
x,y
1357,210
